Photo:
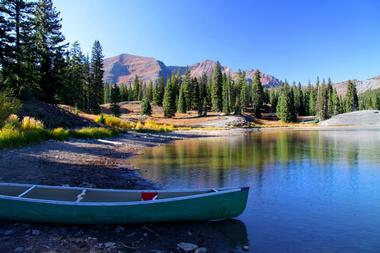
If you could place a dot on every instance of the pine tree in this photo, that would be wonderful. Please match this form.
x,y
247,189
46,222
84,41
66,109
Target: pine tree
x,y
226,94
216,89
107,93
321,106
352,102
16,44
181,105
149,91
244,96
75,78
257,94
186,88
169,103
285,106
115,99
48,40
124,93
96,78
195,94
159,90
146,108
136,88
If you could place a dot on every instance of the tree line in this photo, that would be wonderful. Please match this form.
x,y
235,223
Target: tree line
x,y
220,93
35,61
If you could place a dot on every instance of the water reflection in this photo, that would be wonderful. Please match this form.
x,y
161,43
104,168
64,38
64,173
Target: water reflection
x,y
227,161
311,191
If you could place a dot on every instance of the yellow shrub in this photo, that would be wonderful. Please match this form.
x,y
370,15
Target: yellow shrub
x,y
31,123
60,134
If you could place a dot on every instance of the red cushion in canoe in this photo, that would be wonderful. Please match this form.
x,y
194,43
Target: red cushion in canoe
x,y
149,196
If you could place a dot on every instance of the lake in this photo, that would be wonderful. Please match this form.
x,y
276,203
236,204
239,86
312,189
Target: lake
x,y
311,191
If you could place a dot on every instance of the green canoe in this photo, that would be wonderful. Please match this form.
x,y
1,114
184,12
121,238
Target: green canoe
x,y
76,205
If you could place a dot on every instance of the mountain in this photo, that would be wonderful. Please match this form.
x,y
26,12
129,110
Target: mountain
x,y
361,85
123,68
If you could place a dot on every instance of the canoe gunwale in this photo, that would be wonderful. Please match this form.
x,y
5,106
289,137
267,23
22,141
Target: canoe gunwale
x,y
220,191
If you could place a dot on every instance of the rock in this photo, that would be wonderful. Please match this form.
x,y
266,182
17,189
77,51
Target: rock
x,y
19,249
110,245
8,232
245,247
201,250
187,247
119,229
36,232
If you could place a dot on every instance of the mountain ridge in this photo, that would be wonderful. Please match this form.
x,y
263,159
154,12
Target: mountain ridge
x,y
122,69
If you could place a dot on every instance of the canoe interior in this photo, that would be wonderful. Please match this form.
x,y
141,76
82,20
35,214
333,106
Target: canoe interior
x,y
84,195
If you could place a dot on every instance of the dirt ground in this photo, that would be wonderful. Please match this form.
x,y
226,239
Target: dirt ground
x,y
91,163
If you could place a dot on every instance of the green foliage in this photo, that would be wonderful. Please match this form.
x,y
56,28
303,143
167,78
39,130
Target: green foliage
x,y
8,105
136,88
149,91
59,134
285,106
370,100
95,89
169,102
146,108
158,94
216,89
115,99
244,96
257,94
100,119
351,99
181,104
50,47
226,91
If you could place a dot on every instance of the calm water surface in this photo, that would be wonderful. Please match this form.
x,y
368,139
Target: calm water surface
x,y
311,191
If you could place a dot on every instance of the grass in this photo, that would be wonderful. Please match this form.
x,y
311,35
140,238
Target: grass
x,y
29,131
93,133
123,125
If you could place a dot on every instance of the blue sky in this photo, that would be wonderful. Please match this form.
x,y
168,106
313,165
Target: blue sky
x,y
291,39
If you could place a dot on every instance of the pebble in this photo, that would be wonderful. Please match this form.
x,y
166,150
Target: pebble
x,y
8,232
187,247
36,232
201,250
245,247
110,245
19,249
119,229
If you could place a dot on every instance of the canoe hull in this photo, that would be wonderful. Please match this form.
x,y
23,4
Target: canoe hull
x,y
213,207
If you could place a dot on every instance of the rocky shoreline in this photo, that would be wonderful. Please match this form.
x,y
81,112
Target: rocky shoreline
x,y
97,164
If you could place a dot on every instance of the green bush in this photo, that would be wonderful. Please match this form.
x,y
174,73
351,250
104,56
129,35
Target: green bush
x,y
18,137
8,106
59,134
100,119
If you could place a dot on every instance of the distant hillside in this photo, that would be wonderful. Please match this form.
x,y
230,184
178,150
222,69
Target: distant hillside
x,y
123,68
361,86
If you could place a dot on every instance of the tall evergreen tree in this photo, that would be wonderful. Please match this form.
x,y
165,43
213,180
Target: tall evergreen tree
x,y
75,78
15,44
226,94
351,100
169,102
149,91
187,90
96,78
181,105
146,108
136,88
285,106
48,40
216,88
159,90
244,95
257,94
115,99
